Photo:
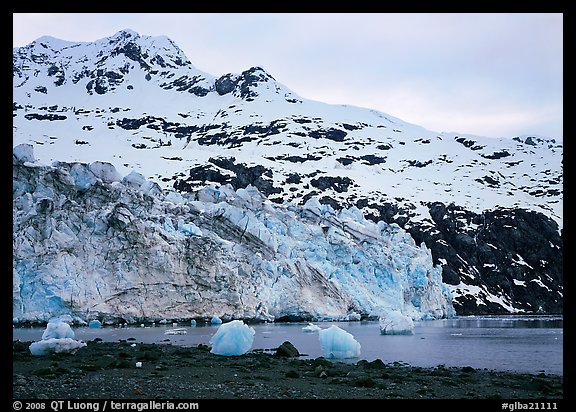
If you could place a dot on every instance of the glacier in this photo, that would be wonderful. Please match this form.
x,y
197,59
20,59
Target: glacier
x,y
91,244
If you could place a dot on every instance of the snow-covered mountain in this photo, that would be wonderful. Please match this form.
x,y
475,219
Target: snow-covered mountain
x,y
490,210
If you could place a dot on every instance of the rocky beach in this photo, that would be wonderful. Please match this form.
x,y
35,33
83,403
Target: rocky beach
x,y
131,370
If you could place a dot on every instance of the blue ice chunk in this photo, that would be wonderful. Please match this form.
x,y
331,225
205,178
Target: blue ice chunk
x,y
215,320
189,228
209,194
105,171
175,198
55,345
395,323
336,343
57,338
134,179
169,227
95,324
58,330
83,176
232,339
24,153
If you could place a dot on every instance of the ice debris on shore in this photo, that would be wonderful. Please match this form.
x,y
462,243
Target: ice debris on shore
x,y
57,329
395,323
336,343
58,337
232,339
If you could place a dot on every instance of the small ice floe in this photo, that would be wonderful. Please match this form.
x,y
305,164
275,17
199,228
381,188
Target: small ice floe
x,y
395,323
311,328
138,365
176,331
336,343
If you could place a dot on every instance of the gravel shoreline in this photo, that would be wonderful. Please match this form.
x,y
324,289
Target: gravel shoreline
x,y
107,370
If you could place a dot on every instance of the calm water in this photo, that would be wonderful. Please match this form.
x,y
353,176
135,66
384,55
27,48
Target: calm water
x,y
531,344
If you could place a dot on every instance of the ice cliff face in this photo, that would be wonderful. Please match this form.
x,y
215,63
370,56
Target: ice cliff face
x,y
91,243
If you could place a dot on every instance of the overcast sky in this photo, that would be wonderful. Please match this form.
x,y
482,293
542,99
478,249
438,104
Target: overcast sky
x,y
487,74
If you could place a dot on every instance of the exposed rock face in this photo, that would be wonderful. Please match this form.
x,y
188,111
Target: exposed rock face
x,y
512,258
88,243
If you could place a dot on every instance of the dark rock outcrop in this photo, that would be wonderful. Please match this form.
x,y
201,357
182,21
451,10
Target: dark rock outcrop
x,y
287,350
514,257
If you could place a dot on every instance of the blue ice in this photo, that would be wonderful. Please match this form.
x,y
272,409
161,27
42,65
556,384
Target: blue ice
x,y
215,320
395,323
95,324
232,339
58,330
336,343
57,338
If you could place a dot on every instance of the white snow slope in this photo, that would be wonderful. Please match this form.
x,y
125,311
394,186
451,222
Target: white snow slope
x,y
151,80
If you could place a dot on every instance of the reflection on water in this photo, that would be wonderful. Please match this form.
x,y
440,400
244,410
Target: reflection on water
x,y
531,344
506,322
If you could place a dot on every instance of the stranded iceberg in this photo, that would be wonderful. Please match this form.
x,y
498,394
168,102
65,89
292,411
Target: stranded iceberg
x,y
91,244
58,337
336,343
234,338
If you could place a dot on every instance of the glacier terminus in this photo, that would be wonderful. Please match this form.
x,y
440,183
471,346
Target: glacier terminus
x,y
93,245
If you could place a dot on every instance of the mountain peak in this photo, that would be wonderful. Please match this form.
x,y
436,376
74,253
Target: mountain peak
x,y
122,37
125,33
46,44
